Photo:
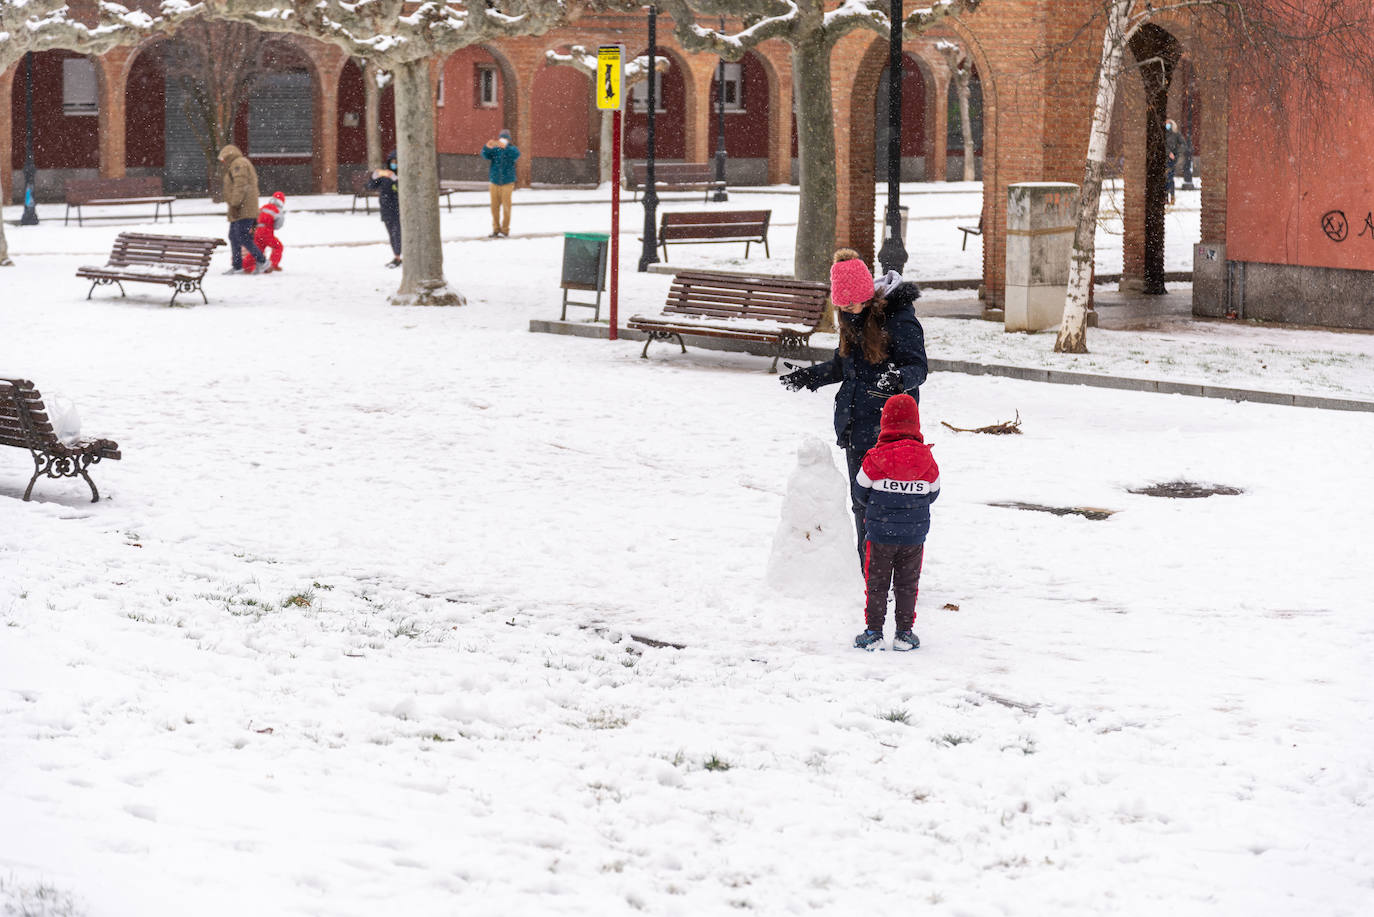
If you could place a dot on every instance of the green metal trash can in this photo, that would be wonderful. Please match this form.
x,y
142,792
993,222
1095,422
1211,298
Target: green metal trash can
x,y
584,268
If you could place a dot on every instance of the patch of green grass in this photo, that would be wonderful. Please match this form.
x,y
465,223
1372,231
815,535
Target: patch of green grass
x,y
39,900
714,763
607,719
299,600
951,739
897,716
406,629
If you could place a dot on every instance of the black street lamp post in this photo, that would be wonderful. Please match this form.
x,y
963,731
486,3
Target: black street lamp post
x,y
720,194
650,253
30,217
892,256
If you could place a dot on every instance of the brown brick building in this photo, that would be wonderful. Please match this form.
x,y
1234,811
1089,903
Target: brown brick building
x,y
1035,63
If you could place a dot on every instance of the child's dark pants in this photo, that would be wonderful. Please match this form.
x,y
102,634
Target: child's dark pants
x,y
897,566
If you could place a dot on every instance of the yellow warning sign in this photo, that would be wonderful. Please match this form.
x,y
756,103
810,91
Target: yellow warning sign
x,y
609,76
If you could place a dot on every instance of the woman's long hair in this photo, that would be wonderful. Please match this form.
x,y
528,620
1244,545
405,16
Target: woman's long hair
x,y
869,335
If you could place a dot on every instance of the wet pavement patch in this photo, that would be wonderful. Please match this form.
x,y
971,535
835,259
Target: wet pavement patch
x,y
1186,490
1087,512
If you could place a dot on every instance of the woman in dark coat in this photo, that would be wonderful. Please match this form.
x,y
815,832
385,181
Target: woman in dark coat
x,y
882,353
384,182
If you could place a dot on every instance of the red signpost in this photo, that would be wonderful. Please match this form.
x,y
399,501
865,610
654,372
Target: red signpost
x,y
609,87
615,221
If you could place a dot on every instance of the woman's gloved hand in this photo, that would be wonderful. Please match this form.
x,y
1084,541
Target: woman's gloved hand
x,y
890,381
798,379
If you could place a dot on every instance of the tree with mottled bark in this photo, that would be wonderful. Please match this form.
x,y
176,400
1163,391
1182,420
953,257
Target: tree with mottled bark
x,y
375,79
636,71
811,31
406,40
217,65
1278,43
961,73
48,25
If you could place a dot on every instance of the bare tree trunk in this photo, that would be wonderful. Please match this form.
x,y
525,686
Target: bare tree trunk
x,y
4,248
372,112
966,124
422,270
1073,332
816,150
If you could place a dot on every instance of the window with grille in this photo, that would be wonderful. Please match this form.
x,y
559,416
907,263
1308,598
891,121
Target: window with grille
x,y
486,87
733,87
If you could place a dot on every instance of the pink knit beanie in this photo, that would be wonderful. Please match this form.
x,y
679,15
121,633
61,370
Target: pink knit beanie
x,y
850,282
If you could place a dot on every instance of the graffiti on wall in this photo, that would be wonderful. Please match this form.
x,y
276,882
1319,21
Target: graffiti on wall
x,y
1337,226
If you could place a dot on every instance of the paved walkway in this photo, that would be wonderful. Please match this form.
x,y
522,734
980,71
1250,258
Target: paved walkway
x,y
1115,310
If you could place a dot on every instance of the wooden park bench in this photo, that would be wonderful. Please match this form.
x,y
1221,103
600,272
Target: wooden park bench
x,y
677,176
747,226
970,231
362,192
24,423
777,311
178,262
109,192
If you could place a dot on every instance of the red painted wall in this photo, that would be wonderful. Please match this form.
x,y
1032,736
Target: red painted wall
x,y
746,132
561,122
913,108
670,126
60,142
145,123
1301,180
463,126
353,140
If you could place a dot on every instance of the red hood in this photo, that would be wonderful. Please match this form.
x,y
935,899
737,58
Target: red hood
x,y
901,419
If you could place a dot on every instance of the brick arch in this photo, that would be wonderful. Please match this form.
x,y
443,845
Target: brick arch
x,y
779,75
992,213
1142,238
855,140
350,142
144,119
743,137
935,111
564,124
684,135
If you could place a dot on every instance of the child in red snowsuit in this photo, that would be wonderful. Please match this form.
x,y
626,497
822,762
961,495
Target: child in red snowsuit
x,y
896,485
271,217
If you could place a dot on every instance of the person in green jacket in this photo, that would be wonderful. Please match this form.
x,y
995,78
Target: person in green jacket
x,y
241,198
502,155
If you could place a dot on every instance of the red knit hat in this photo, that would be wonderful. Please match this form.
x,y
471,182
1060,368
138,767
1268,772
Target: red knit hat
x,y
901,418
279,196
850,282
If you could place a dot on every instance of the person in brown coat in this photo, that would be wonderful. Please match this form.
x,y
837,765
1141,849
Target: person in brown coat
x,y
241,197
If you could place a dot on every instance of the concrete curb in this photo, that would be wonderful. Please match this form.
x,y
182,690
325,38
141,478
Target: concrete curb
x,y
1025,373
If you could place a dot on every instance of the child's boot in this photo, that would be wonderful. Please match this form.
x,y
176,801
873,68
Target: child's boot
x,y
906,640
868,640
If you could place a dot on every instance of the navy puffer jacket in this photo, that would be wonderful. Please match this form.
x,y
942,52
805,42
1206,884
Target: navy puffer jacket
x,y
859,402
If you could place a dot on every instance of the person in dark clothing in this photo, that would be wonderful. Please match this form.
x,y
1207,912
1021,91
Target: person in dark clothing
x,y
897,482
1173,150
882,353
384,182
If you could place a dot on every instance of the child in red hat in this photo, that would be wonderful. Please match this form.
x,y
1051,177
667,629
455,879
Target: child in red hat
x,y
271,217
896,485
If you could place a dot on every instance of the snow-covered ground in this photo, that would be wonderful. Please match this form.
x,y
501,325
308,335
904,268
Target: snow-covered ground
x,y
353,630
